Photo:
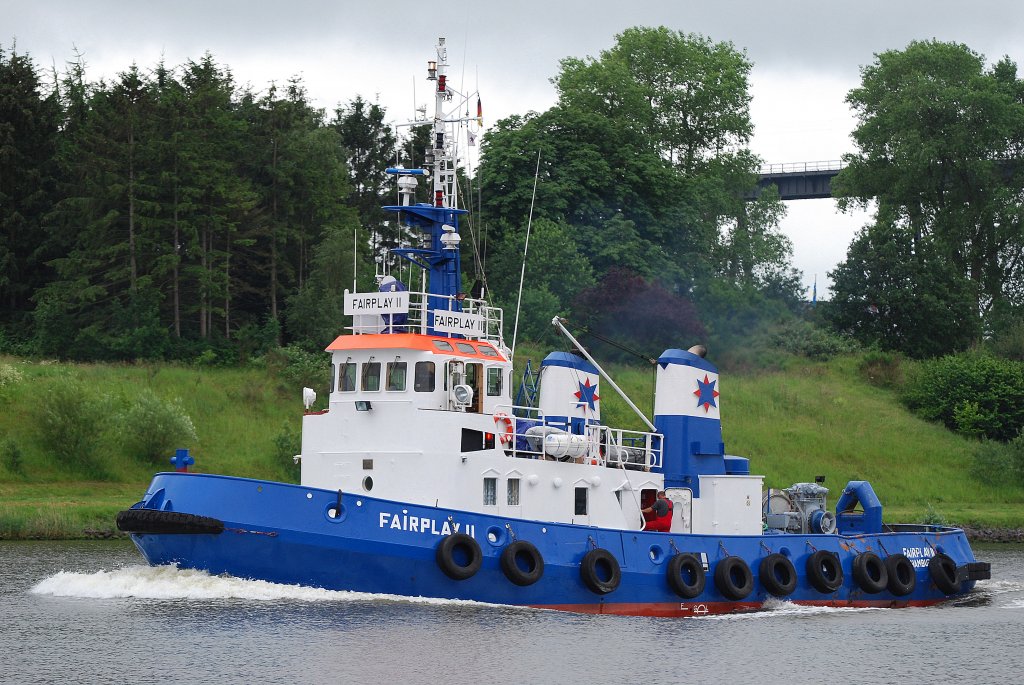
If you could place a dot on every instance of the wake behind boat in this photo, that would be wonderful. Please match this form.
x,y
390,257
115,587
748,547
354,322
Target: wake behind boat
x,y
423,478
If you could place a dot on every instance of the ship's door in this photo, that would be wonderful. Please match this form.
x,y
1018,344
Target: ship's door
x,y
682,509
474,379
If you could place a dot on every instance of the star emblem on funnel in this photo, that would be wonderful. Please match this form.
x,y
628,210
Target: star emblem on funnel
x,y
706,393
587,395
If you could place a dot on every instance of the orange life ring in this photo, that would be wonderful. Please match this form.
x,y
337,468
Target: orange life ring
x,y
504,436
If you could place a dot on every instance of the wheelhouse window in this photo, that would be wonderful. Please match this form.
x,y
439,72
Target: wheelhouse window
x,y
494,381
347,377
424,379
396,376
443,346
371,376
466,347
581,502
490,491
488,351
513,492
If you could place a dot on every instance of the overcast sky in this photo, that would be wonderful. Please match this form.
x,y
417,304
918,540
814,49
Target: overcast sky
x,y
806,56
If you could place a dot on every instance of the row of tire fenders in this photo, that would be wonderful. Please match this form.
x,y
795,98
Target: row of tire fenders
x,y
459,556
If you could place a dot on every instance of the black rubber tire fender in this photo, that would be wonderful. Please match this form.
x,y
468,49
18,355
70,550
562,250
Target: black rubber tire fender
x,y
681,568
733,578
600,571
942,569
824,571
156,522
777,574
517,555
465,547
869,572
902,574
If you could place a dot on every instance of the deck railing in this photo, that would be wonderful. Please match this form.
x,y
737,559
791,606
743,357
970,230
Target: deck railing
x,y
522,432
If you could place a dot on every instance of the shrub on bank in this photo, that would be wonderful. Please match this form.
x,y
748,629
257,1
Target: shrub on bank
x,y
974,394
151,428
72,420
811,341
997,463
882,369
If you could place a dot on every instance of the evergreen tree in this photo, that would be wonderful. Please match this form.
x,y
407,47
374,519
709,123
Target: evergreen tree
x,y
28,128
102,286
217,198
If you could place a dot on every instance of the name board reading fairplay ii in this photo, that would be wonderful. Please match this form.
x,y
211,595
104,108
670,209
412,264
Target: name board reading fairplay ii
x,y
460,323
377,303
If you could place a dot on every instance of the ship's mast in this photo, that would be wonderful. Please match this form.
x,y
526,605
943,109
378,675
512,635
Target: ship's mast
x,y
438,218
444,162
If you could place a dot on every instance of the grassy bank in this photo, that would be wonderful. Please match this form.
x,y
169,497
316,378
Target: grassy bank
x,y
801,420
244,421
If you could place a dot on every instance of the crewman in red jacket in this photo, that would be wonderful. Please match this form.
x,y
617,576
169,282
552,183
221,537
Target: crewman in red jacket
x,y
659,514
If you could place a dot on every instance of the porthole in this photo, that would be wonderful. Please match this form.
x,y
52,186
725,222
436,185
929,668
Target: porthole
x,y
368,483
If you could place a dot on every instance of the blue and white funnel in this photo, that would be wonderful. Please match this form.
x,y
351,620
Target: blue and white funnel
x,y
687,413
569,395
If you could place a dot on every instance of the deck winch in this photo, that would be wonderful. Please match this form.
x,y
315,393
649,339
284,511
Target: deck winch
x,y
800,508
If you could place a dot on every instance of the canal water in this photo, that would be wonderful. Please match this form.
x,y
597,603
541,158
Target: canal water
x,y
90,612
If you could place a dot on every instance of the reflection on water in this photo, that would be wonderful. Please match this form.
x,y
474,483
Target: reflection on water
x,y
90,612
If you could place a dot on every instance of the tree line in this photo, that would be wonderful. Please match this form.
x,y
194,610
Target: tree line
x,y
168,211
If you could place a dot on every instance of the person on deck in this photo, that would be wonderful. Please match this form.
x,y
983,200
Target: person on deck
x,y
658,516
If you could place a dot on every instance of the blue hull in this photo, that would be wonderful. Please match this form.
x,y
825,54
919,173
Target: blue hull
x,y
286,534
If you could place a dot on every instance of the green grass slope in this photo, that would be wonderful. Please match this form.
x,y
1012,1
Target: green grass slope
x,y
239,416
803,420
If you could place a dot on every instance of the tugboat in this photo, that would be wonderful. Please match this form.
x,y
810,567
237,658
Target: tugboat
x,y
424,478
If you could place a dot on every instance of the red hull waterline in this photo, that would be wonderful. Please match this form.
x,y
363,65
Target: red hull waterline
x,y
699,609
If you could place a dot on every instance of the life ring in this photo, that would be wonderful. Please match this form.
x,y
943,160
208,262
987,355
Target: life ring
x,y
824,571
777,574
459,556
870,573
600,571
733,578
522,563
508,434
686,575
943,572
902,574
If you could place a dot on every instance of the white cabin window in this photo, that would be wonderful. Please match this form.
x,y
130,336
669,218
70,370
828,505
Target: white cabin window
x,y
371,376
347,377
424,380
493,381
513,492
490,491
396,376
